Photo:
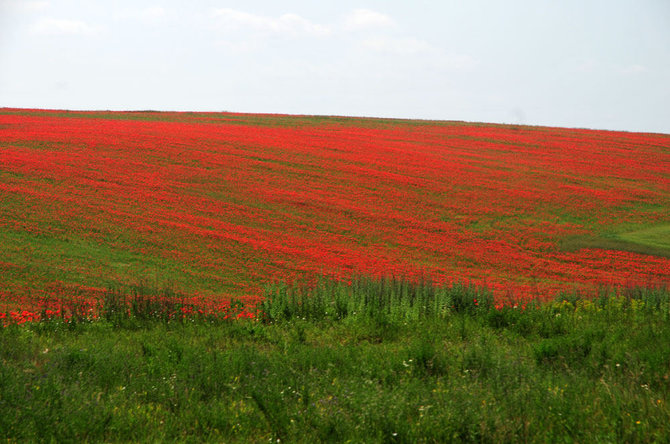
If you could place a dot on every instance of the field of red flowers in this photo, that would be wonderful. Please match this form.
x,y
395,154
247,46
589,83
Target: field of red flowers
x,y
220,204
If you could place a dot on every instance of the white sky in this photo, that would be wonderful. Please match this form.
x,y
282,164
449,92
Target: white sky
x,y
581,63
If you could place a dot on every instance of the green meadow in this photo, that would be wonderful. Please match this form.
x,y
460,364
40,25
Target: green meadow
x,y
375,361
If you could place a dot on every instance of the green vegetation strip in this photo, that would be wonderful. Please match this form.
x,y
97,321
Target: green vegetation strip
x,y
655,237
377,361
654,241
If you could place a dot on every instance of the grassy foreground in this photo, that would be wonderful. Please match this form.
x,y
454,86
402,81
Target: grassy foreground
x,y
377,361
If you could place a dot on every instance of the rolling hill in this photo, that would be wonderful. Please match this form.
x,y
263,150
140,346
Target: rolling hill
x,y
220,204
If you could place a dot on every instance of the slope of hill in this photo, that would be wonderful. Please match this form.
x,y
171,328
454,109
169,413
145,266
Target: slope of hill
x,y
219,204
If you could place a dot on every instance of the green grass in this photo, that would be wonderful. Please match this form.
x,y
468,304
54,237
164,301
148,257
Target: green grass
x,y
654,241
654,237
44,258
377,361
575,243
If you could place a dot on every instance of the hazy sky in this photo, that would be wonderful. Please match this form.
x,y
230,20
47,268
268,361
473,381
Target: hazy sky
x,y
582,63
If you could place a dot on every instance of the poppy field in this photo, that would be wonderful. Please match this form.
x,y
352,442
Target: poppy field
x,y
222,277
219,205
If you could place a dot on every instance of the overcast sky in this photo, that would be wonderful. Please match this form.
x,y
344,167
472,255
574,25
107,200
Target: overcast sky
x,y
582,63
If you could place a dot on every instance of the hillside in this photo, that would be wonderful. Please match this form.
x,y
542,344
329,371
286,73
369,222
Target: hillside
x,y
220,204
